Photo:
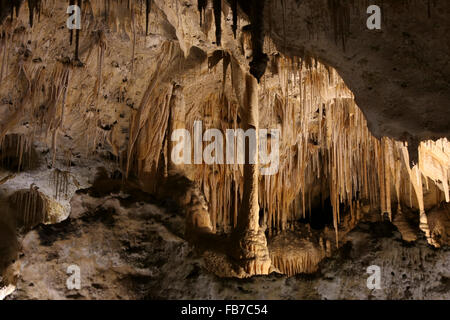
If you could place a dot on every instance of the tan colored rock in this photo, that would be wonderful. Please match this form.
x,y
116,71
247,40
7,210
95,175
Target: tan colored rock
x,y
292,255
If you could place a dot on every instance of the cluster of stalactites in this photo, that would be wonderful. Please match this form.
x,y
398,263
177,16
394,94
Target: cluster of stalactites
x,y
217,8
117,13
303,261
16,152
410,182
256,15
43,106
434,163
31,206
60,181
325,148
12,8
33,6
318,113
335,150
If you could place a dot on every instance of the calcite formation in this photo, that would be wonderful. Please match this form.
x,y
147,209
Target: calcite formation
x,y
138,70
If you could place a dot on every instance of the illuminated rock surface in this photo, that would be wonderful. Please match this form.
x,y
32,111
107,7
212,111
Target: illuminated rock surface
x,y
364,129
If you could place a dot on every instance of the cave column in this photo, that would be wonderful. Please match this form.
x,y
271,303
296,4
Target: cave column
x,y
250,220
249,239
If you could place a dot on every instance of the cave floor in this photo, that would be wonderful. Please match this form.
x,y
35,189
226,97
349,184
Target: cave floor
x,y
127,248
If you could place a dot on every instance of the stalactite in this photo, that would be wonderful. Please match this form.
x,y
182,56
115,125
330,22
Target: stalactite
x,y
16,152
201,5
147,13
60,181
100,60
11,5
434,159
71,3
292,254
133,26
154,102
77,39
259,61
31,206
416,183
33,6
217,5
57,114
234,8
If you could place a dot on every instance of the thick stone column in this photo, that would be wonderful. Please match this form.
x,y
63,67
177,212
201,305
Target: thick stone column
x,y
249,240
